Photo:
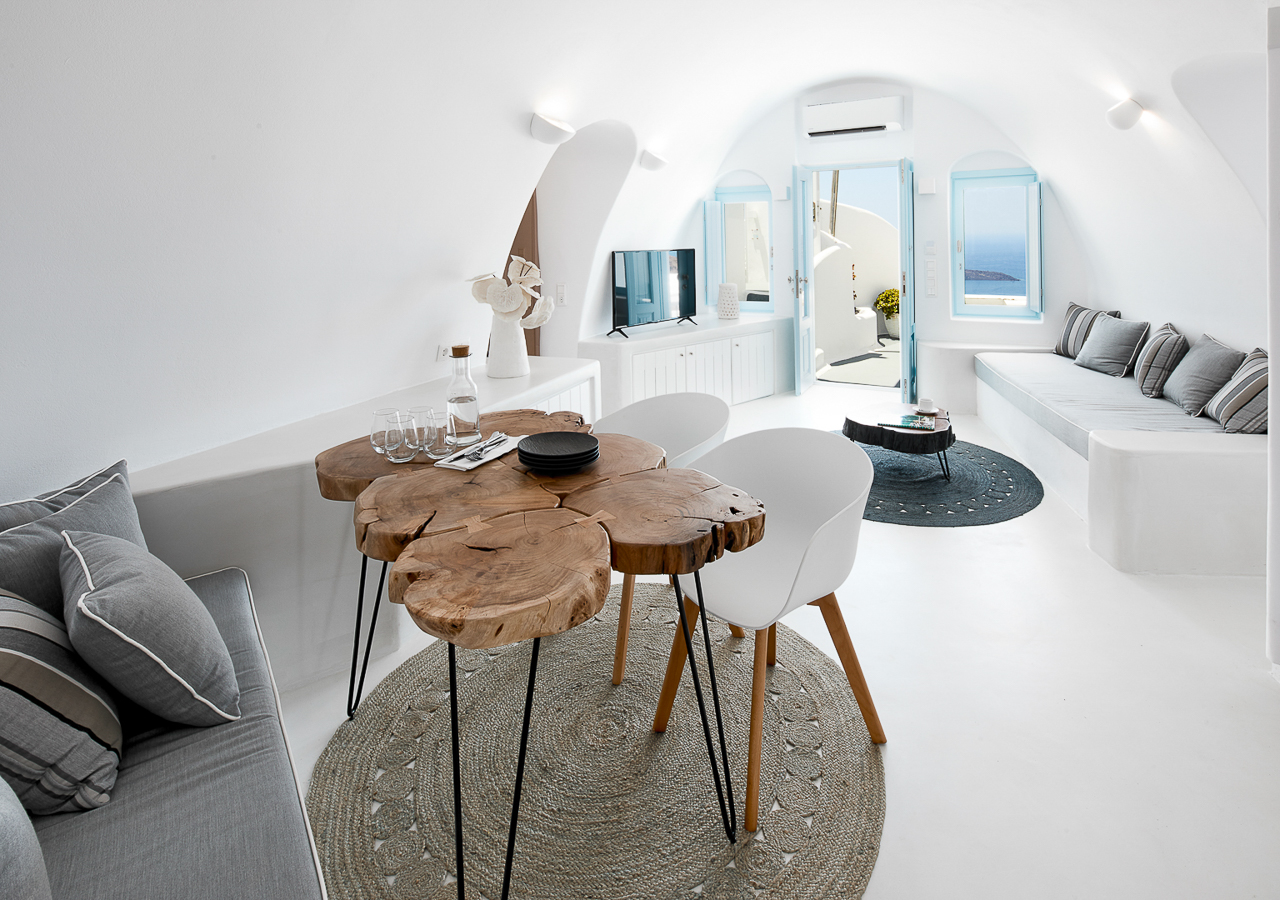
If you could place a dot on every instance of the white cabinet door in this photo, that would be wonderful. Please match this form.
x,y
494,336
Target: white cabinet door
x,y
752,362
709,369
658,372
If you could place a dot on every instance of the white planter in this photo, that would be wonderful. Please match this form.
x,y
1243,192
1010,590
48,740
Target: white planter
x,y
508,356
891,326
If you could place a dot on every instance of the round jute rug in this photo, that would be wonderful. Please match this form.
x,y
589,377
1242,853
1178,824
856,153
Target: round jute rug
x,y
986,487
609,809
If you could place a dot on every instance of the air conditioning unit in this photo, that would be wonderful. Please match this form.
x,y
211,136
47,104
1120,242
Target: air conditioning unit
x,y
853,117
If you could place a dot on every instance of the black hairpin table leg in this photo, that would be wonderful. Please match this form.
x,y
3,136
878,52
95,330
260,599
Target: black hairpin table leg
x,y
457,774
945,463
355,690
727,817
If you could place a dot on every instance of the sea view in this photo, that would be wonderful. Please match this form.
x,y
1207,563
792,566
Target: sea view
x,y
992,255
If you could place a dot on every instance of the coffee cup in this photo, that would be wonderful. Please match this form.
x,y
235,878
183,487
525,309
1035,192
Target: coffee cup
x,y
926,405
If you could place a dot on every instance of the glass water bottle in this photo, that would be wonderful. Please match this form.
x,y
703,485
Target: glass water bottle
x,y
464,410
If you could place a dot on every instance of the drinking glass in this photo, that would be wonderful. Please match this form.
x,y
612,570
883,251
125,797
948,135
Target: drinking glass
x,y
378,433
402,442
435,435
422,425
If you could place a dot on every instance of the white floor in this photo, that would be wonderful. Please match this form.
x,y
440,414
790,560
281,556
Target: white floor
x,y
1056,729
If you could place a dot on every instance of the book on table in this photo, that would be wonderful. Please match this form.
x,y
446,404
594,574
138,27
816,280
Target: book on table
x,y
915,423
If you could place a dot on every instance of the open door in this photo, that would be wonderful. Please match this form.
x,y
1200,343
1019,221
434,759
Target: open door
x,y
801,278
907,292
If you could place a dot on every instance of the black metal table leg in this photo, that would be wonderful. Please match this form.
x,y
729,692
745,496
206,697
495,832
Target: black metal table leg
x,y
945,463
354,691
730,824
457,772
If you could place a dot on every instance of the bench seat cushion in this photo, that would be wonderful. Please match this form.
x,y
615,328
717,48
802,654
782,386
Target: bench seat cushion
x,y
197,812
1069,401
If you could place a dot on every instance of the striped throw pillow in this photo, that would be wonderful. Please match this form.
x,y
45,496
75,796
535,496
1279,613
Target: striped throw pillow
x,y
1241,406
1161,354
60,734
1076,328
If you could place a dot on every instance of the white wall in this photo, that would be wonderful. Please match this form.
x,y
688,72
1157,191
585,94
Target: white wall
x,y
218,218
1273,414
575,196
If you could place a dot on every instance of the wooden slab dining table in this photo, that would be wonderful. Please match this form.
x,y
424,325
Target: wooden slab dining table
x,y
501,553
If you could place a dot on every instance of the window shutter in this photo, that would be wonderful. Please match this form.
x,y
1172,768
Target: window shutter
x,y
713,251
1035,256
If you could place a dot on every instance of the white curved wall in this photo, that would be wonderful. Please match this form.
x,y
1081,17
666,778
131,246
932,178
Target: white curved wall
x,y
218,218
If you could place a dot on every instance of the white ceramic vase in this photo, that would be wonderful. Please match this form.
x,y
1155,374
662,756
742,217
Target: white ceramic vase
x,y
508,356
727,302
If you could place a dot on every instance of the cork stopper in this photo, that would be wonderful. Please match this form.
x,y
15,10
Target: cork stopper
x,y
461,350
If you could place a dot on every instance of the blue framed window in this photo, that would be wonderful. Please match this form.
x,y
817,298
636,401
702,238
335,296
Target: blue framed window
x,y
997,268
739,246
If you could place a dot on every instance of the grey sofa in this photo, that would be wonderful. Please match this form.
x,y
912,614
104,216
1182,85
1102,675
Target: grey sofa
x,y
196,812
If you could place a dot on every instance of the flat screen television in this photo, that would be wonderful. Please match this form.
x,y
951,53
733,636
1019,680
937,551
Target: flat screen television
x,y
652,286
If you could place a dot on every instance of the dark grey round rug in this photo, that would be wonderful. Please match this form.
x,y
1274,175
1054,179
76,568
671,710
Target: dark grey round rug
x,y
985,487
609,809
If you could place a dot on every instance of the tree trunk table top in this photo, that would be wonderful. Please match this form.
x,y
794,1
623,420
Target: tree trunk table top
x,y
396,509
670,521
511,578
864,426
347,469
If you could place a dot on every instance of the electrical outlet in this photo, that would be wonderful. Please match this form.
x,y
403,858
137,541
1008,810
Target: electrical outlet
x,y
442,352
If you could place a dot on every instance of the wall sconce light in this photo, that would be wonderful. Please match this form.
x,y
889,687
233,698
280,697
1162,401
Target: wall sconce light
x,y
1125,114
651,161
550,131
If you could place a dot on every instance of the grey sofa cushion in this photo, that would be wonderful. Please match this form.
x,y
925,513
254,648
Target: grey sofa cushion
x,y
1112,346
20,512
1241,405
1208,365
1158,359
141,628
22,872
60,734
1076,327
197,812
29,553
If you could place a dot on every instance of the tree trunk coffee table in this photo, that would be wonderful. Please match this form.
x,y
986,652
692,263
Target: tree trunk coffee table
x,y
344,471
865,426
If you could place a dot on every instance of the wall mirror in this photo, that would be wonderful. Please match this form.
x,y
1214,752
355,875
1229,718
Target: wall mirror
x,y
746,244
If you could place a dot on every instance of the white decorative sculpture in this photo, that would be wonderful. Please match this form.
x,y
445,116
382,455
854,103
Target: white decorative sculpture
x,y
727,302
508,357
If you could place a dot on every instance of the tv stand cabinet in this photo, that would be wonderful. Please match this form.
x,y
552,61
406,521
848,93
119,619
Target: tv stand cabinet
x,y
735,359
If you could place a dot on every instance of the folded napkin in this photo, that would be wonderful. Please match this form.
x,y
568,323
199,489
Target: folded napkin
x,y
461,463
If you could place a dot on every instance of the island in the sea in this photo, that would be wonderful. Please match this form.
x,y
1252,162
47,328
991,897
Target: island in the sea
x,y
984,275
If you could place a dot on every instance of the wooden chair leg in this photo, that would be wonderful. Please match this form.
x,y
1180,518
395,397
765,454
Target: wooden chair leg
x,y
757,730
849,659
675,667
773,644
737,632
624,628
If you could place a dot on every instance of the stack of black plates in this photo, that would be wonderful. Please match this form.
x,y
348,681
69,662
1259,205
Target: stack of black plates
x,y
558,452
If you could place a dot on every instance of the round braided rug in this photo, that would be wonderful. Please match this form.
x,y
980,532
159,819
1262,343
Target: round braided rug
x,y
985,487
609,809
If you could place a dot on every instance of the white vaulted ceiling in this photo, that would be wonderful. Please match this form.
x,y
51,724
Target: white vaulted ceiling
x,y
219,217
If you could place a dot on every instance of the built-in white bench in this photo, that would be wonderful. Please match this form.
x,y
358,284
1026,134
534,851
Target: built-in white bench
x,y
1161,491
254,503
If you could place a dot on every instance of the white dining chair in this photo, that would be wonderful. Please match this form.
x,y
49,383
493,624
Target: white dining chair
x,y
814,486
685,426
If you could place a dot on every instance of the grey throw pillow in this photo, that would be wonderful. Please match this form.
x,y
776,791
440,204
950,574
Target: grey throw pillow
x,y
20,512
1076,327
1112,346
60,734
1241,405
1208,365
142,629
29,553
1159,357
22,872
